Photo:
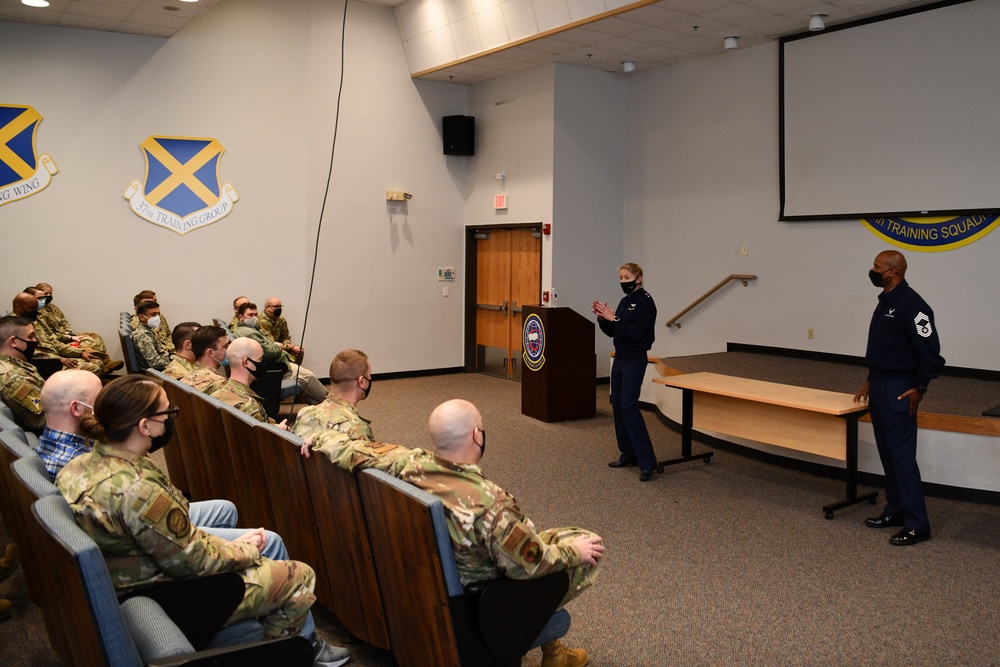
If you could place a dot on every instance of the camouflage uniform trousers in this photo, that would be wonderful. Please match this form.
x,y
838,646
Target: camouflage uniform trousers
x,y
279,594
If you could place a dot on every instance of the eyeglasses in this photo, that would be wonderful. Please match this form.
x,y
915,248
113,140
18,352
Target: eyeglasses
x,y
171,412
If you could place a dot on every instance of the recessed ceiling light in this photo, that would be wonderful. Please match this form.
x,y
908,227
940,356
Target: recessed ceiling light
x,y
189,0
35,3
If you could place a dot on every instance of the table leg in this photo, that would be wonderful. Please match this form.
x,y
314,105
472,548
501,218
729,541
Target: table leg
x,y
687,430
852,472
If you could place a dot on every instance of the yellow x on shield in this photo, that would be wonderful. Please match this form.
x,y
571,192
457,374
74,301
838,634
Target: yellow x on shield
x,y
11,130
182,173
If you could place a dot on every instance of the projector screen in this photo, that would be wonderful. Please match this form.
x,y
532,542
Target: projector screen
x,y
895,116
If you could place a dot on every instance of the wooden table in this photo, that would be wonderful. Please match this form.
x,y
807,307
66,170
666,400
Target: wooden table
x,y
807,420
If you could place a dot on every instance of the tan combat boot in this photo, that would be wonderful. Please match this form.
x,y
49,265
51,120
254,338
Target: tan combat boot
x,y
554,654
9,561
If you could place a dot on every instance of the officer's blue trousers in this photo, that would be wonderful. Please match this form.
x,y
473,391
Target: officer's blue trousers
x,y
896,437
633,438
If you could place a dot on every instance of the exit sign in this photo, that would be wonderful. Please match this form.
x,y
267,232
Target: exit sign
x,y
500,202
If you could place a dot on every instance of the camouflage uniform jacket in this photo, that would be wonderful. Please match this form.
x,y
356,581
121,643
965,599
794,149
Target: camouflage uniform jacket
x,y
333,414
21,390
276,329
178,367
53,320
490,534
233,323
162,332
238,395
51,343
140,521
148,350
272,352
355,455
203,378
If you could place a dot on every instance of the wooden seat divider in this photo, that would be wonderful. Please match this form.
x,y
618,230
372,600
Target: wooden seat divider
x,y
289,495
214,446
347,550
248,469
174,454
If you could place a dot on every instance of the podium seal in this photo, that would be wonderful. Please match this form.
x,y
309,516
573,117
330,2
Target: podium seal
x,y
533,342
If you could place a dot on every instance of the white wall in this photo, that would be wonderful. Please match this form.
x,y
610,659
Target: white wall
x,y
702,179
263,81
588,190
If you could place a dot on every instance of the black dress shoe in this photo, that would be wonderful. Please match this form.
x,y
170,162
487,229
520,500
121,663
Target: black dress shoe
x,y
646,475
884,521
908,536
621,463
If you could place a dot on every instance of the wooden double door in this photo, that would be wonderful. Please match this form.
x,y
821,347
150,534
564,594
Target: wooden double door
x,y
508,276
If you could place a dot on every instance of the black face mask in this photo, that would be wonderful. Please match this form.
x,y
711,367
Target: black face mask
x,y
875,277
256,371
29,347
160,441
368,389
277,312
628,287
30,315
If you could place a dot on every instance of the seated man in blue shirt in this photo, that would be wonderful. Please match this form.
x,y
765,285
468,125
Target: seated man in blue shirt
x,y
67,396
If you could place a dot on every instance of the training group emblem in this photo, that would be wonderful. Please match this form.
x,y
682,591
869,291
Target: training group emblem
x,y
533,342
181,190
22,171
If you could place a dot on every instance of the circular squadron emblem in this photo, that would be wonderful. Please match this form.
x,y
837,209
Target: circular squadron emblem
x,y
533,343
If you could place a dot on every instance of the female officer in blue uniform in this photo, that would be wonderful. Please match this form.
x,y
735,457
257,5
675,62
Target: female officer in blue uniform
x,y
631,327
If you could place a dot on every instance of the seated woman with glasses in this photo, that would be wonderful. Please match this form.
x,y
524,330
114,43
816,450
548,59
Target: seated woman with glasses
x,y
141,521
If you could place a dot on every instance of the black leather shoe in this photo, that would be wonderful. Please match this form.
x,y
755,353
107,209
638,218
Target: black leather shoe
x,y
884,521
908,536
646,475
621,463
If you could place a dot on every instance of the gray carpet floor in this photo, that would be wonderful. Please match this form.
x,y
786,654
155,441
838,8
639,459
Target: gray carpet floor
x,y
727,563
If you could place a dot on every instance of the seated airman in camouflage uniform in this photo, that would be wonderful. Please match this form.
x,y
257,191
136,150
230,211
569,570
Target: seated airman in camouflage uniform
x,y
244,356
182,361
141,522
26,305
162,329
52,318
336,429
209,345
237,302
490,534
149,352
275,327
248,328
20,383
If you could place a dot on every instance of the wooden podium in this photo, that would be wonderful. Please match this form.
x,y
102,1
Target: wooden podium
x,y
559,375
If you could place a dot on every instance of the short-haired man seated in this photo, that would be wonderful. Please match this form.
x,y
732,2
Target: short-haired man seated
x,y
182,361
244,355
490,534
209,345
149,351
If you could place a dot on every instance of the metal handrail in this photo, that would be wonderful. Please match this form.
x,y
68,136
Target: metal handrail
x,y
735,276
